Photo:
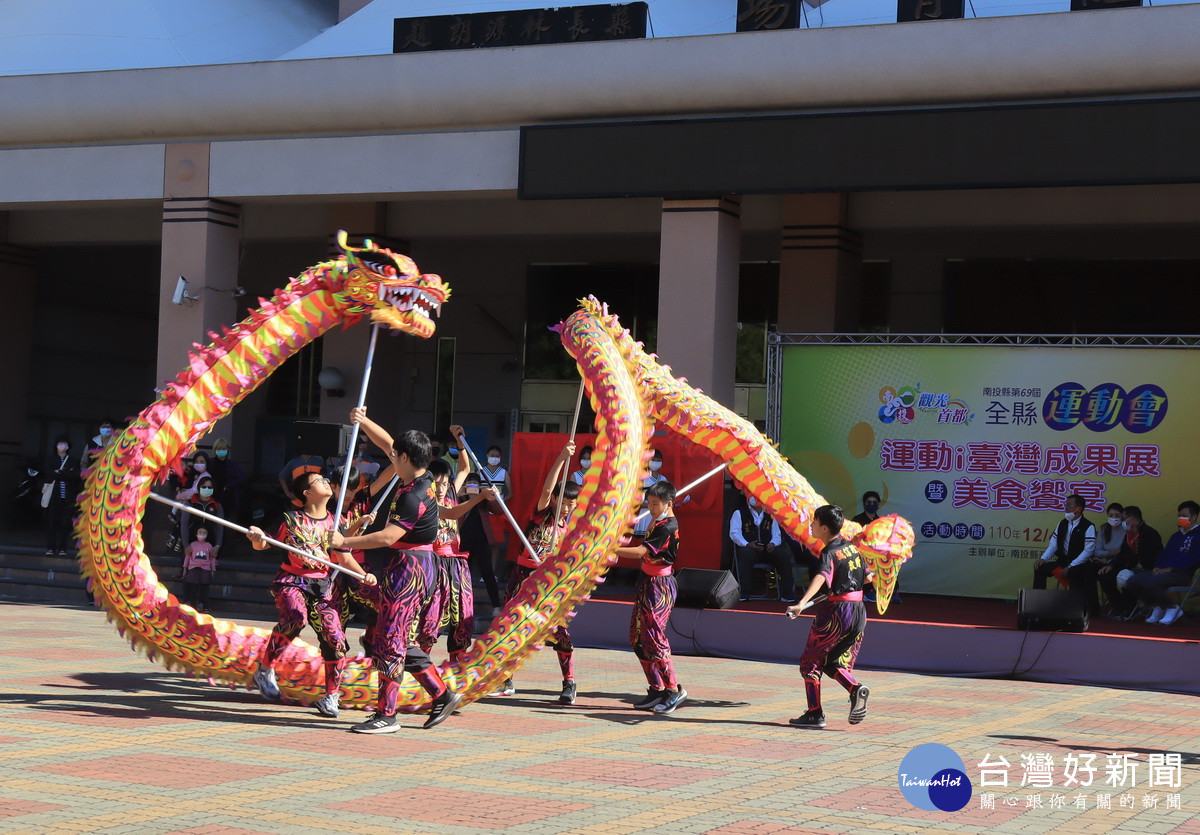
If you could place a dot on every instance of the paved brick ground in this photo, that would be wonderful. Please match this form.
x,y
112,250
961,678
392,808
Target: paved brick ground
x,y
95,739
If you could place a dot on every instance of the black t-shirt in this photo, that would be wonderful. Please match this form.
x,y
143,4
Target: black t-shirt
x,y
415,511
843,566
662,545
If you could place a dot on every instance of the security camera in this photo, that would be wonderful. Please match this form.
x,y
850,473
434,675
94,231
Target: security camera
x,y
181,294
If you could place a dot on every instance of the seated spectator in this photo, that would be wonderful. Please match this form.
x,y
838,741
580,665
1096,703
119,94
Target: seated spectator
x,y
871,502
1109,538
1140,547
756,539
1072,543
1174,567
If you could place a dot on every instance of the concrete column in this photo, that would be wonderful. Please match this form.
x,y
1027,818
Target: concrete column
x,y
819,266
346,350
700,252
18,284
918,286
201,241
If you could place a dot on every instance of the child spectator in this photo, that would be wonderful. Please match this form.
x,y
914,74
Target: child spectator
x,y
654,600
199,563
585,461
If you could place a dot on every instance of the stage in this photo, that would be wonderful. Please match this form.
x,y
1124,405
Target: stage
x,y
936,635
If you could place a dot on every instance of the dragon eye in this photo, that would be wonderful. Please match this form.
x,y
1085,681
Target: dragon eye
x,y
380,268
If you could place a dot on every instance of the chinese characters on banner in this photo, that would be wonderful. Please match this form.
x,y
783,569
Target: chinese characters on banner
x,y
979,446
520,28
1082,781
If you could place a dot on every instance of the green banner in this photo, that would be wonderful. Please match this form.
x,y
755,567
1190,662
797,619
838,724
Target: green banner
x,y
979,446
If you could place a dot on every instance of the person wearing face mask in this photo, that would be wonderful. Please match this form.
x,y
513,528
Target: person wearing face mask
x,y
229,479
871,502
1071,544
757,539
93,450
62,480
1174,567
1109,538
1140,547
203,498
653,476
199,563
835,637
585,461
494,473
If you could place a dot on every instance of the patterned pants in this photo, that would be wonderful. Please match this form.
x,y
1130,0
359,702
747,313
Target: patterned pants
x,y
652,606
297,606
832,648
561,638
400,598
452,607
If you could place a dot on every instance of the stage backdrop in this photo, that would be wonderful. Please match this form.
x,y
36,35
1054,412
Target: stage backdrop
x,y
978,446
699,517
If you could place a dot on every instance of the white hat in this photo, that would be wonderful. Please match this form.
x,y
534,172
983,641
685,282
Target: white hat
x,y
1123,578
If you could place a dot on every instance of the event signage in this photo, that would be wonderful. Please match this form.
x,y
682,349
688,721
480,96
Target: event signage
x,y
907,10
979,446
762,15
520,28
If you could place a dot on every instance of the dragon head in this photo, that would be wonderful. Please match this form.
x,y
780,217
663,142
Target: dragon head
x,y
390,288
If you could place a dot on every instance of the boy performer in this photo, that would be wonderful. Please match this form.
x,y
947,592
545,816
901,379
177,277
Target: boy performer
x,y
654,600
544,532
303,589
837,631
406,582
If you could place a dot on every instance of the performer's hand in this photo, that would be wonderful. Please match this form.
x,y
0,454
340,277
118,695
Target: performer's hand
x,y
488,493
336,540
256,536
568,451
368,519
370,580
794,610
456,431
358,414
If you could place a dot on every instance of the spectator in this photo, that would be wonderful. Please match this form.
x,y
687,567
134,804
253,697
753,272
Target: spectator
x,y
199,563
62,477
185,490
229,480
494,473
1139,549
756,539
1174,567
95,449
1109,538
1072,543
203,498
870,512
585,461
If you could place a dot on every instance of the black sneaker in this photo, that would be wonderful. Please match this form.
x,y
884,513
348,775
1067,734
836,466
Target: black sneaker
x,y
377,724
567,697
858,703
652,698
811,719
442,707
671,700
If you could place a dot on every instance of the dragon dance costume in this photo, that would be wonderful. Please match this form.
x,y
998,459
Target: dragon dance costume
x,y
452,606
837,631
544,534
653,601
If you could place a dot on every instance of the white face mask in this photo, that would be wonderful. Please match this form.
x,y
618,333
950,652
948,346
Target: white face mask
x,y
493,460
62,449
1125,526
199,466
655,466
1070,517
1115,521
584,463
660,516
753,504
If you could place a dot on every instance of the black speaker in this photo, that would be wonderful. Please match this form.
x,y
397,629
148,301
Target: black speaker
x,y
311,438
1052,610
701,588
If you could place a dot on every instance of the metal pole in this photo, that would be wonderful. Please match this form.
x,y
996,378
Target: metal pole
x,y
499,499
562,490
383,496
819,598
362,399
684,489
233,526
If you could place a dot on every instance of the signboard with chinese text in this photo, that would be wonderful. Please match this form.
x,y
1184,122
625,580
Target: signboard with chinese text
x,y
520,28
763,15
907,10
979,446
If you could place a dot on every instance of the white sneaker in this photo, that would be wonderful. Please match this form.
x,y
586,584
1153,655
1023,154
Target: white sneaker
x,y
1156,615
328,705
264,679
1171,616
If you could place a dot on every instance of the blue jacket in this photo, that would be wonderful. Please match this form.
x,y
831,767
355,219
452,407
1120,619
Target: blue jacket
x,y
1182,552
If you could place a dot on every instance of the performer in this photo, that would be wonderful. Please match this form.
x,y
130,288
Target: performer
x,y
303,590
544,533
407,580
837,631
453,606
654,600
356,515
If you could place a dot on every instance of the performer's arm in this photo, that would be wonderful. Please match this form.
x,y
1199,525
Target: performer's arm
x,y
814,588
258,539
458,511
551,481
385,538
464,463
377,434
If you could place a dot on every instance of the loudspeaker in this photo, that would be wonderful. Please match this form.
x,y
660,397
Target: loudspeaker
x,y
701,588
1051,609
324,439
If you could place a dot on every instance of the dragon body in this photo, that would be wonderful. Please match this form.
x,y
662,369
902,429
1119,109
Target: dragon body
x,y
627,389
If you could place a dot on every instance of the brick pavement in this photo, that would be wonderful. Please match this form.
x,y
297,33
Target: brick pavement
x,y
96,739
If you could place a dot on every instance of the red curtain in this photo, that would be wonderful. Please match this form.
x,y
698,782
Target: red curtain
x,y
700,531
